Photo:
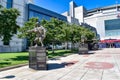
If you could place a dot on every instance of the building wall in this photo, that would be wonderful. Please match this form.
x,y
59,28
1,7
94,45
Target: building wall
x,y
21,6
98,21
79,13
72,20
72,6
65,13
92,20
16,44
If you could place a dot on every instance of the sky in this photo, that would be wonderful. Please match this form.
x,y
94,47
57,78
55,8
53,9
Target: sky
x,y
60,6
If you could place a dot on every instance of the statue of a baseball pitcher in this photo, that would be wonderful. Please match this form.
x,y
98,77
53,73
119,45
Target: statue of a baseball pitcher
x,y
40,33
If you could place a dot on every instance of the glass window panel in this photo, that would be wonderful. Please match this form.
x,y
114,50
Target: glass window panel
x,y
9,3
112,24
39,15
112,27
112,32
31,14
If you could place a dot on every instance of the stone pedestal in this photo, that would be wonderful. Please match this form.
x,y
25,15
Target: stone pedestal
x,y
83,48
37,58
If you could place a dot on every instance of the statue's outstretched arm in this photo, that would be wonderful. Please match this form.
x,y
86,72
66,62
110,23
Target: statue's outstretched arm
x,y
32,30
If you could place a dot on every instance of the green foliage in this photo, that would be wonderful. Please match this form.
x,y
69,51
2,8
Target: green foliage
x,y
8,24
65,35
24,31
77,31
54,29
58,30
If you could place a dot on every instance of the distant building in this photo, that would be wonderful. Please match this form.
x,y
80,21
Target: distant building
x,y
106,20
76,15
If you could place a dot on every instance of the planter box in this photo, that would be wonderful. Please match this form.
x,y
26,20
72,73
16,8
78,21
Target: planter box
x,y
83,48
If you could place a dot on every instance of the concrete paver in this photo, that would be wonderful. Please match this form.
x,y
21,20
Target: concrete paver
x,y
86,67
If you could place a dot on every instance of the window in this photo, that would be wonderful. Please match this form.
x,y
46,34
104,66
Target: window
x,y
113,24
112,27
9,3
39,15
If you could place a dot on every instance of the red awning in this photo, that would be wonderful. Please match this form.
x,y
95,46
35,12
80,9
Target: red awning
x,y
110,40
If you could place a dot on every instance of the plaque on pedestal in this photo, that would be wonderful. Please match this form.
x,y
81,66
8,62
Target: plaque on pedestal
x,y
37,58
83,48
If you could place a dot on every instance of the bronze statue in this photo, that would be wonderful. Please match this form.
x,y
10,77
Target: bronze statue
x,y
40,33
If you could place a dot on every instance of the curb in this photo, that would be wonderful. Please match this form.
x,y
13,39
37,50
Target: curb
x,y
12,67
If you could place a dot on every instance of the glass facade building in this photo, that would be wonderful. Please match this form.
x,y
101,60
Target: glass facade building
x,y
41,13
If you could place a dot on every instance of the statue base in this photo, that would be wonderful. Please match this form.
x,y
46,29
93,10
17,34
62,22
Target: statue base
x,y
83,48
37,58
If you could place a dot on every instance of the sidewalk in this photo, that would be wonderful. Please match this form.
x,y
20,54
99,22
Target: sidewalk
x,y
101,65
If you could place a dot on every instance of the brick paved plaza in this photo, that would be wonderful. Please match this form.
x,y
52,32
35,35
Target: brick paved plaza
x,y
101,65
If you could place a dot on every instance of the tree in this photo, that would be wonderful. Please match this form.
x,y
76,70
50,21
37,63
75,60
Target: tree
x,y
8,24
88,33
54,27
23,31
65,35
77,31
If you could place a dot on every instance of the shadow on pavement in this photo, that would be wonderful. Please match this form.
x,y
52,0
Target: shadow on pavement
x,y
8,77
52,66
89,53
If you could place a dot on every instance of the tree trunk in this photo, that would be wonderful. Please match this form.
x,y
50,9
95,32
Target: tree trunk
x,y
66,45
31,44
72,46
52,47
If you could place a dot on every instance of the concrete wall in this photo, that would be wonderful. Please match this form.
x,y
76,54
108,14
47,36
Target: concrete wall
x,y
72,6
16,44
72,20
79,14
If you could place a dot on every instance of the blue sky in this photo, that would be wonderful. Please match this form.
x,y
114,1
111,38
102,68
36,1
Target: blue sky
x,y
61,6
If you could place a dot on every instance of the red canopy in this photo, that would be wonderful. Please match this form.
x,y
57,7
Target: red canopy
x,y
110,40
